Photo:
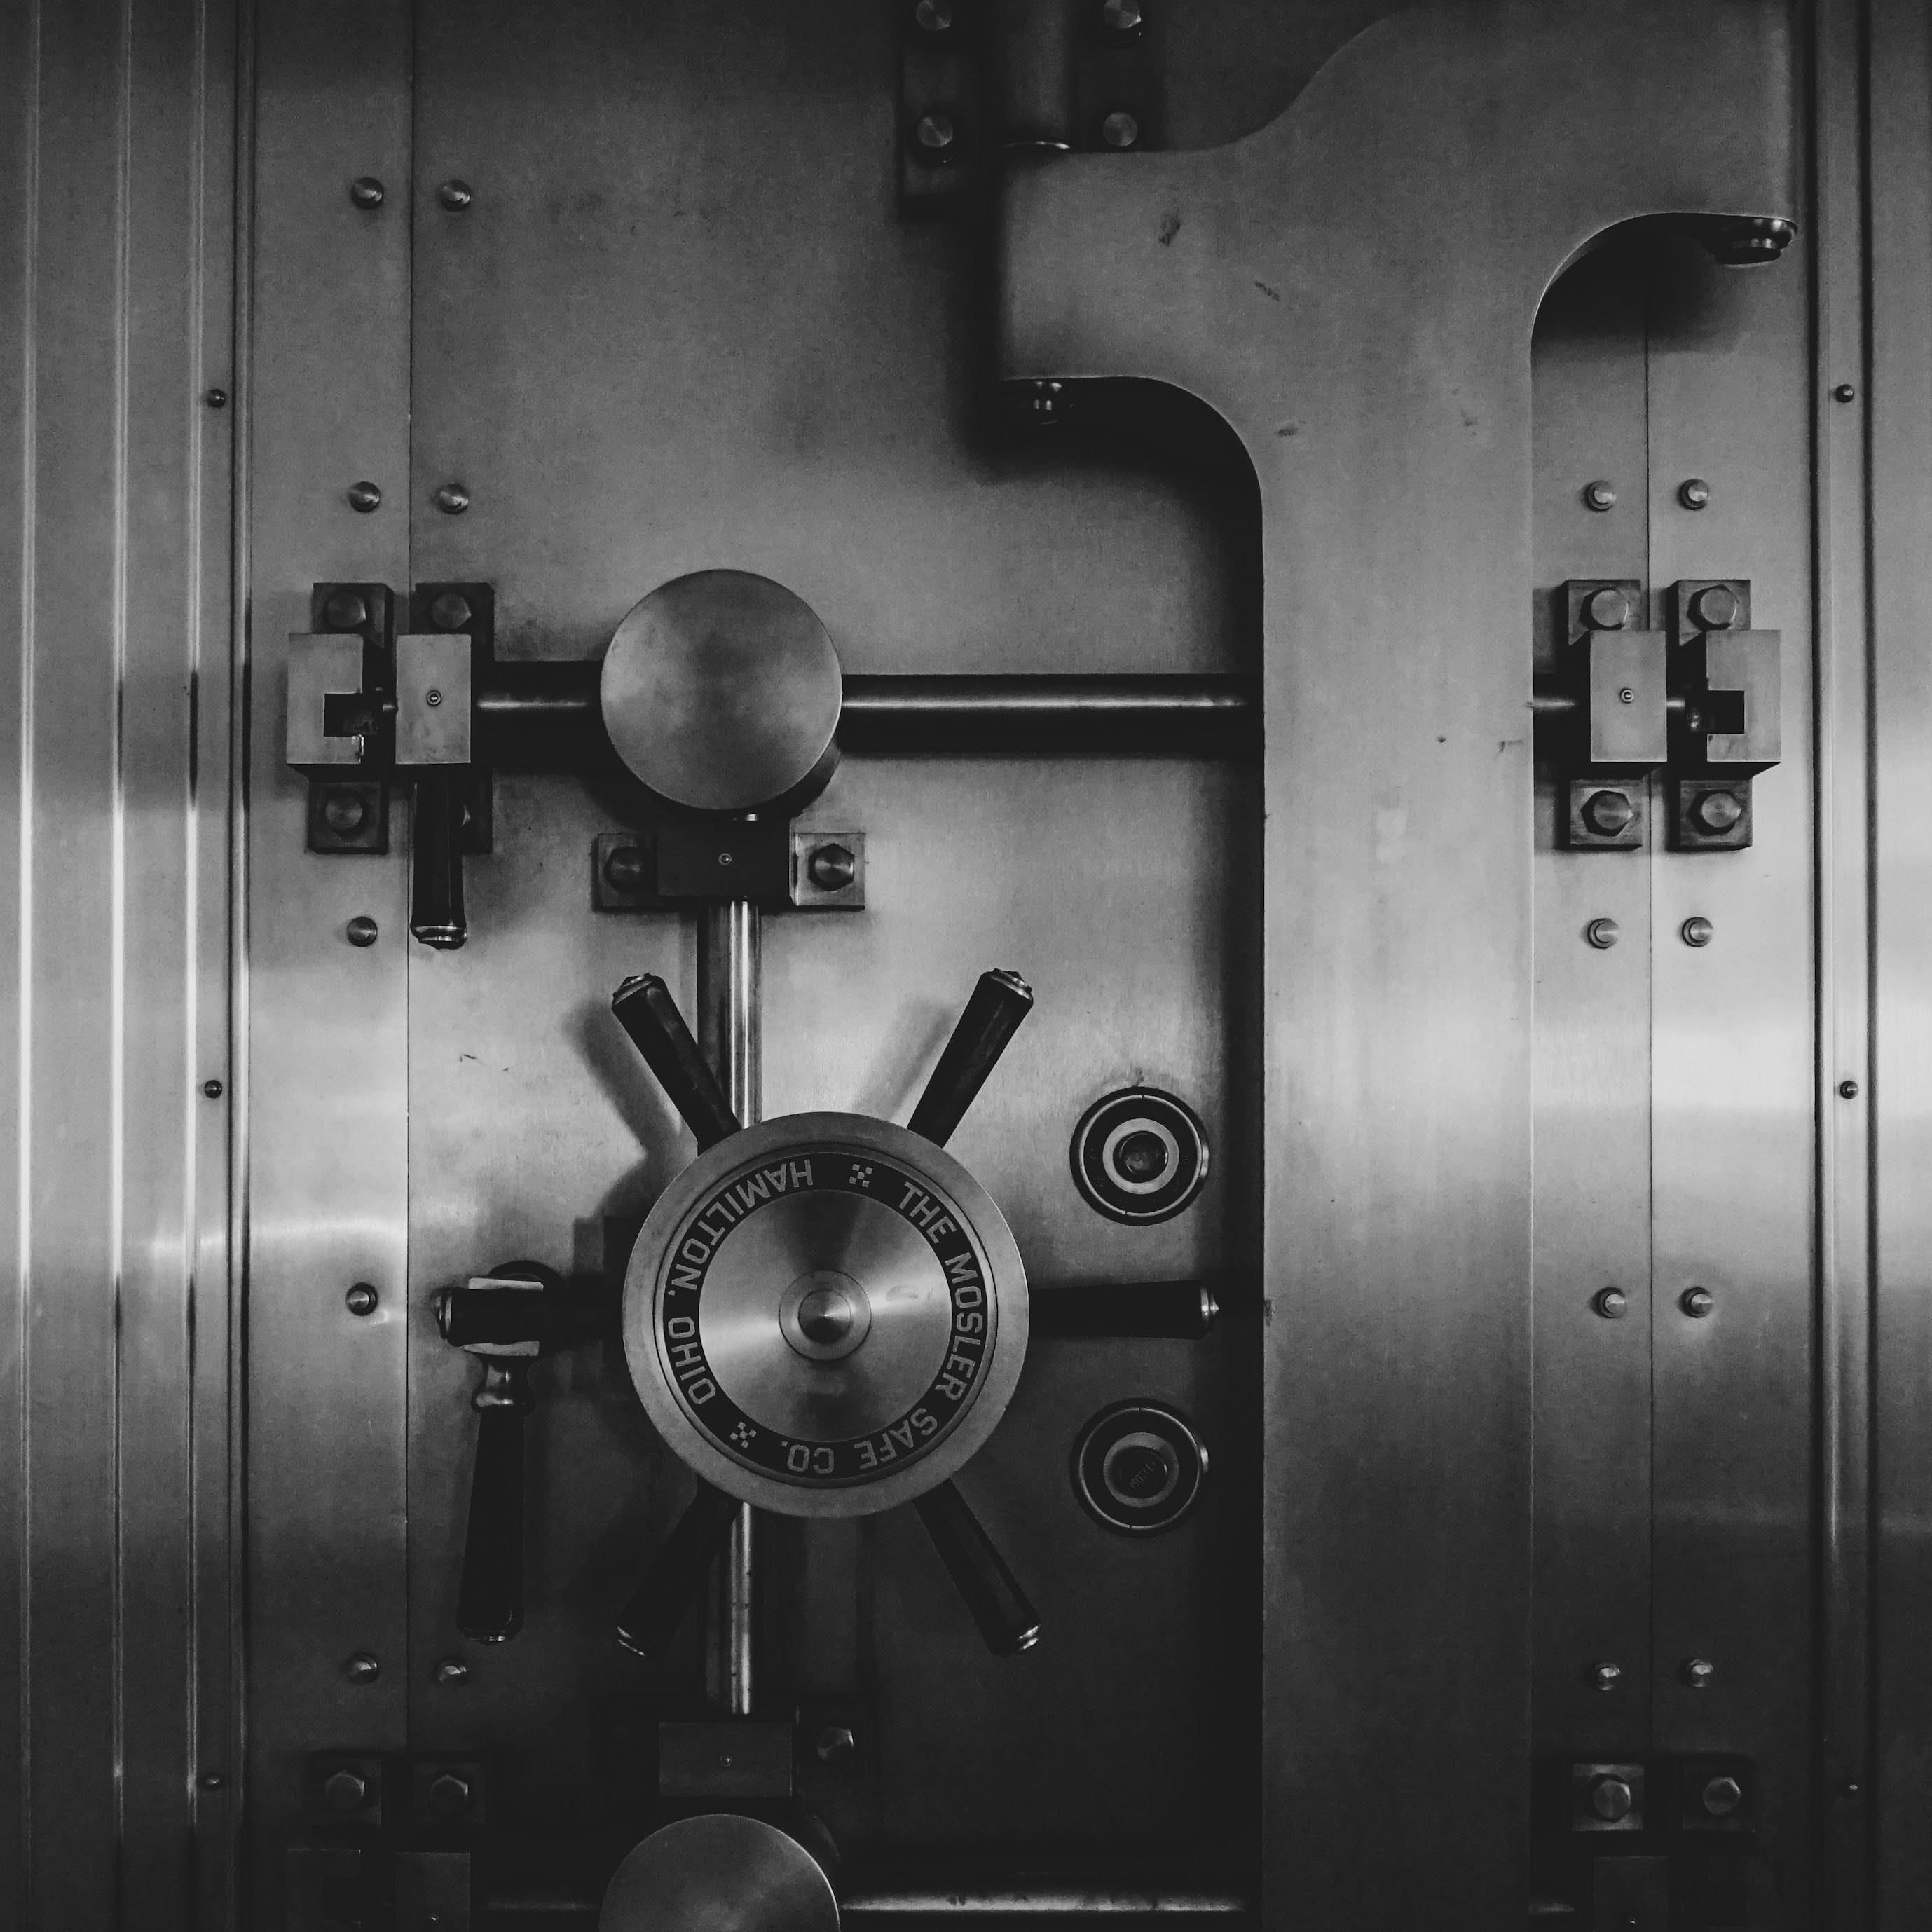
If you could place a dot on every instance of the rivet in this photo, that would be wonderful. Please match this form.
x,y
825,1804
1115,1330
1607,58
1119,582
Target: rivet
x,y
455,195
451,611
365,497
1696,1303
361,931
450,1672
432,698
1693,492
361,1668
361,1299
1121,131
723,858
1599,496
933,16
1612,1303
212,1088
1848,1090
366,191
452,499
1606,1676
1697,931
212,1781
1626,696
1844,393
1603,934
1121,20
1850,1788
218,399
1697,1672
934,138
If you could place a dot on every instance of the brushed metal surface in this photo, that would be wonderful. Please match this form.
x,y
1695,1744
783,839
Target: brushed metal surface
x,y
1394,487
328,1095
723,1871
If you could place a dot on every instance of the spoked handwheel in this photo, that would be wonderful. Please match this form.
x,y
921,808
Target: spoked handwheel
x,y
825,1315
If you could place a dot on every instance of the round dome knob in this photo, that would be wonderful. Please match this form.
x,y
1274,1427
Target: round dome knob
x,y
721,691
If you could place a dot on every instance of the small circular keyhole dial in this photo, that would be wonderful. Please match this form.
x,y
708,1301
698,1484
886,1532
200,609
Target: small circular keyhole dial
x,y
1139,1155
1139,1467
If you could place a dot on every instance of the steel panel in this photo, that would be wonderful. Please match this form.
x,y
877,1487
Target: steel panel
x,y
327,1094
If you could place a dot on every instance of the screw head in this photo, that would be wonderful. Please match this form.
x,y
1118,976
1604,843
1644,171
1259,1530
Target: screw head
x,y
1121,131
455,195
724,858
1696,1303
212,1088
1603,934
1626,696
935,139
935,17
366,191
361,931
834,1744
1848,1090
361,1299
213,1780
1693,492
216,399
1121,20
832,868
1696,930
448,1794
1717,811
626,868
1697,1672
1612,1303
1599,496
432,698
364,496
452,499
1715,608
343,813
1611,1799
1607,609
451,611
361,1668
345,611
344,1790
1845,393
450,1672
1605,1676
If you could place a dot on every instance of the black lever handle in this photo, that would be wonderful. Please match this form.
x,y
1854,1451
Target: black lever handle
x,y
993,1014
648,1013
677,1572
490,1606
999,1606
1183,1311
436,887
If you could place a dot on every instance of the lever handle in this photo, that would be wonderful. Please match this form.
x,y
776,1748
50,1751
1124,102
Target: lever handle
x,y
436,887
1184,1311
993,1014
490,1605
999,1606
677,1572
648,1013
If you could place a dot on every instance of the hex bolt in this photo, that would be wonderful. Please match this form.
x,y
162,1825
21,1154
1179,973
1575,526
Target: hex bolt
x,y
216,399
1603,934
345,611
343,813
455,195
1715,608
1608,812
1122,20
934,17
451,611
452,499
834,1744
1696,1303
361,1299
361,931
364,496
361,1668
1121,131
1848,1090
626,868
450,1672
432,698
1697,1672
1721,1796
1607,609
935,140
448,1794
1717,811
832,868
1605,1676
1845,393
1611,1799
1600,495
1693,492
345,1790
1612,1303
366,191
1696,930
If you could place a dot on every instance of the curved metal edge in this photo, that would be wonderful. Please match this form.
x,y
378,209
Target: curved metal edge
x,y
1007,1305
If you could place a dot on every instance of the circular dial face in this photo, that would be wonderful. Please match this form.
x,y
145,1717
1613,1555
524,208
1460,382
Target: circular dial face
x,y
825,1315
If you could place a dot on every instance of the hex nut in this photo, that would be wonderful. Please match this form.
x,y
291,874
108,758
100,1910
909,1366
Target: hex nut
x,y
833,868
1717,811
1722,1796
1608,812
448,1794
451,611
345,611
1715,608
1606,609
1611,1799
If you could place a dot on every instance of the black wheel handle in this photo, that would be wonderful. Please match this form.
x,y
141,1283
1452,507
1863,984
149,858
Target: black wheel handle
x,y
1006,1621
648,1013
490,1605
993,1014
650,1619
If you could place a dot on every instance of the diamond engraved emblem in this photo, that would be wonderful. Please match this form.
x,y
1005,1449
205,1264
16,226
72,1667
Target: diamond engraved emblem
x,y
861,1175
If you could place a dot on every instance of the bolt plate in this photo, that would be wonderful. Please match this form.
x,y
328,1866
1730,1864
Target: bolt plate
x,y
806,892
1579,835
370,795
1584,1816
1688,834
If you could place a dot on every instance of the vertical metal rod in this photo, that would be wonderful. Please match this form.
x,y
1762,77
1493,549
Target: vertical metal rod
x,y
728,1006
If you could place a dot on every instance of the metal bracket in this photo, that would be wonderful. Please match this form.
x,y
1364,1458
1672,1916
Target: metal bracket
x,y
681,862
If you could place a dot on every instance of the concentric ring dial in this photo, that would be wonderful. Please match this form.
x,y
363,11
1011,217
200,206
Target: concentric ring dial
x,y
825,1315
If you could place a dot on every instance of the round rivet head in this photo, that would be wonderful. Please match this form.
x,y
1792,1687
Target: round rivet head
x,y
1697,1672
361,931
1608,812
1607,609
212,1088
1121,131
1612,1303
1693,492
432,698
1848,1090
361,1299
1603,934
1121,20
1696,930
1721,1797
1605,1676
935,138
213,1780
1611,1799
366,191
455,195
1717,812
1715,608
450,1672
1599,496
451,611
216,399
364,496
452,499
1696,1303
361,1668
935,17
1845,393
